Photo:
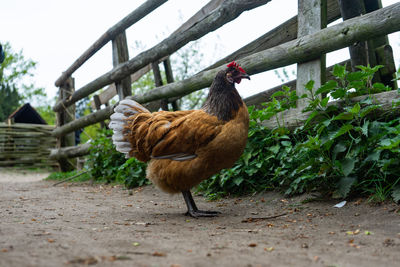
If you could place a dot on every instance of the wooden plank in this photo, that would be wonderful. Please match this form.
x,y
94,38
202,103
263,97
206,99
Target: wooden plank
x,y
70,152
227,11
82,122
121,55
27,126
200,15
311,19
110,34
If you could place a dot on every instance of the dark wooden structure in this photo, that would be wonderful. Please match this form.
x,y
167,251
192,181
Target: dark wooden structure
x,y
26,140
26,114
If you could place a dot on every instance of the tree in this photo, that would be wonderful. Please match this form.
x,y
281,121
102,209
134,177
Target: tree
x,y
16,71
9,100
17,86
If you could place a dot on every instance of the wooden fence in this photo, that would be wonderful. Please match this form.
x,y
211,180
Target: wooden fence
x,y
26,145
304,39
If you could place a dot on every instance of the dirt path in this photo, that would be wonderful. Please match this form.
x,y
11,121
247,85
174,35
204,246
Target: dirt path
x,y
75,225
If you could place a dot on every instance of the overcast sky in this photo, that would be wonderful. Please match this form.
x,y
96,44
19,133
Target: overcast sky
x,y
56,33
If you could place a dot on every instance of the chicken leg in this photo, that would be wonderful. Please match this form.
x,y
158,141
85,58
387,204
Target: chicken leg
x,y
193,211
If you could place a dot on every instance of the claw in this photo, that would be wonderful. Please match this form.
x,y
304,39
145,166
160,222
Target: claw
x,y
193,211
202,213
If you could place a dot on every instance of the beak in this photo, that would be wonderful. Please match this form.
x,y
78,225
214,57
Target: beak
x,y
244,76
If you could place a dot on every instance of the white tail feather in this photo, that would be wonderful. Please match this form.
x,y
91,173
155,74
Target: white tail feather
x,y
125,109
118,117
118,137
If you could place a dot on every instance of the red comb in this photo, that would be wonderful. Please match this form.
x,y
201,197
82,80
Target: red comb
x,y
233,64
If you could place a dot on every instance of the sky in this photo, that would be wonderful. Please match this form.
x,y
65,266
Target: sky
x,y
56,33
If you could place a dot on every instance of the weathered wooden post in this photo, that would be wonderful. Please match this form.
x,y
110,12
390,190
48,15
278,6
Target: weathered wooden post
x,y
311,18
380,52
158,82
65,116
120,55
97,104
373,52
358,51
170,79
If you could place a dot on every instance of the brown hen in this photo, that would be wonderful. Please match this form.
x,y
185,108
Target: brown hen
x,y
183,148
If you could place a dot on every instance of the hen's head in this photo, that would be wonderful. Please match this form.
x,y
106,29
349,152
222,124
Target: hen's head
x,y
234,73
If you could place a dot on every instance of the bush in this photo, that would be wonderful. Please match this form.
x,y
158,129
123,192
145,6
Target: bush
x,y
339,151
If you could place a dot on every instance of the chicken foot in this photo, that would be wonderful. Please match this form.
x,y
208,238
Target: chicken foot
x,y
193,211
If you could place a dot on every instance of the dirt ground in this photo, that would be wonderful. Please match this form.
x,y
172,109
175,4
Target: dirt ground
x,y
75,225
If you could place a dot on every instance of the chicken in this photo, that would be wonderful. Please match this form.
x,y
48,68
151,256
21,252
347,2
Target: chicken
x,y
183,148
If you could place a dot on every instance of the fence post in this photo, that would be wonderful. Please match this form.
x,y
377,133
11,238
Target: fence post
x,y
170,79
97,104
63,117
311,19
158,82
120,55
358,51
380,52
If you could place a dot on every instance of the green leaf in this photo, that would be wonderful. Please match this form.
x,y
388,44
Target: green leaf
x,y
374,156
344,129
274,149
278,93
327,87
355,76
286,143
364,128
368,109
246,158
347,165
238,180
396,193
310,85
339,93
345,185
311,116
340,147
355,109
339,71
324,102
379,87
344,116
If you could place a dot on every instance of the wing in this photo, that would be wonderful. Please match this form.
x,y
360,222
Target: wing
x,y
174,135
